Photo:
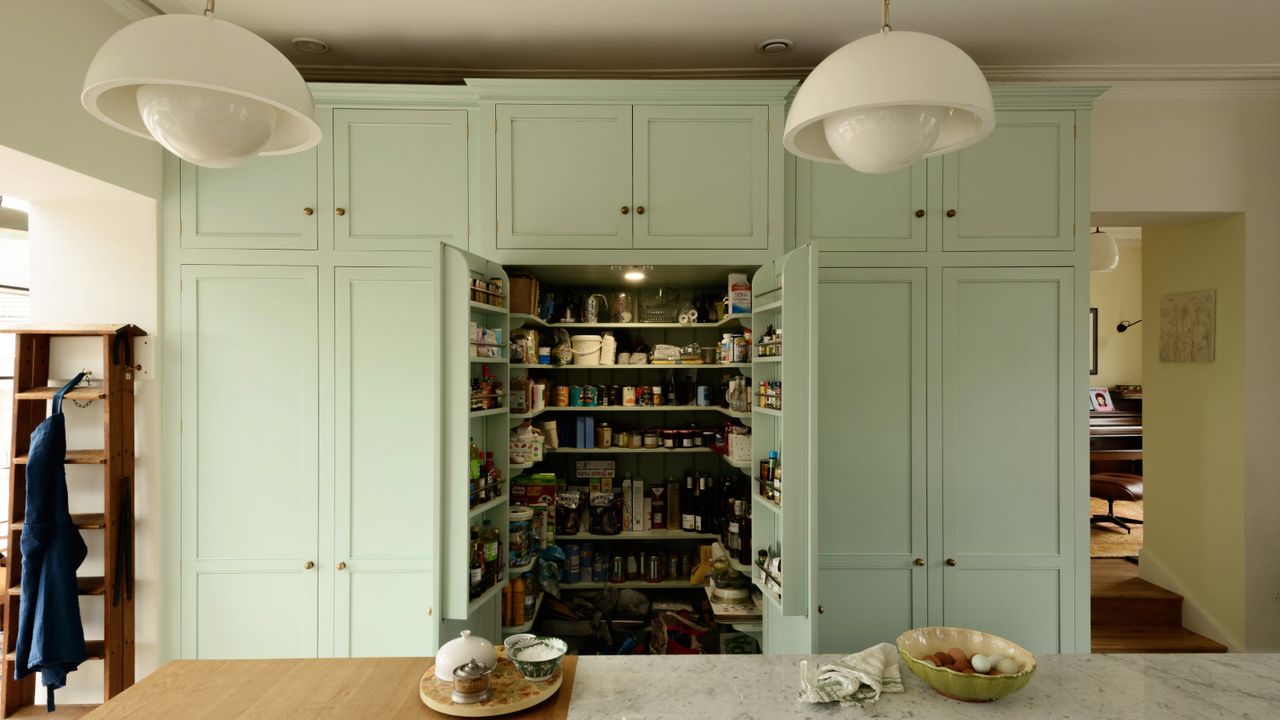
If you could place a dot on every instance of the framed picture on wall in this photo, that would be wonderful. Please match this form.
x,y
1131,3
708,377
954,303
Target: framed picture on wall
x,y
1093,341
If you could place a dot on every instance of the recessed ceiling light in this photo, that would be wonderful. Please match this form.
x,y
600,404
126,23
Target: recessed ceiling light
x,y
778,46
310,45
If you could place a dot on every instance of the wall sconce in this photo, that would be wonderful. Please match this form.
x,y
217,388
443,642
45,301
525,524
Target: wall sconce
x,y
1126,324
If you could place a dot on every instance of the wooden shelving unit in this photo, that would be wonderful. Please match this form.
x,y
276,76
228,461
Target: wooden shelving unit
x,y
31,393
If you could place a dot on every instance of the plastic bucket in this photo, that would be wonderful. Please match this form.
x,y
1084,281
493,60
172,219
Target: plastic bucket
x,y
586,349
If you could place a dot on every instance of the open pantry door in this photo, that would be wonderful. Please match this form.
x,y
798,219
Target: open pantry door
x,y
475,421
783,498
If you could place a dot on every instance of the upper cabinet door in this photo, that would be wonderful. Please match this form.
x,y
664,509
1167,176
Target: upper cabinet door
x,y
701,177
838,208
268,203
1016,189
564,176
399,179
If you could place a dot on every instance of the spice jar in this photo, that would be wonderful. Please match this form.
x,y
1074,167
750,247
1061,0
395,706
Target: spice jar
x,y
472,683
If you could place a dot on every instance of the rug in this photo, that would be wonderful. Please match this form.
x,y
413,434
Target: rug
x,y
1111,541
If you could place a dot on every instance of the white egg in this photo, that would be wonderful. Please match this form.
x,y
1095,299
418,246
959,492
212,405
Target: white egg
x,y
1007,666
930,661
980,664
994,659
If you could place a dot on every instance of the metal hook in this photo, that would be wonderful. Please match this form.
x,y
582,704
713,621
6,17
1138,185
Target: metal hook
x,y
209,7
884,18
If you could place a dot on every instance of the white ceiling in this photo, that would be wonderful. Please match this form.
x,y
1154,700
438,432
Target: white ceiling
x,y
443,39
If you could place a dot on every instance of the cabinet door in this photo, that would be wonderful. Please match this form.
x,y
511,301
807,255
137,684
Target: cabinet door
x,y
249,361
1015,190
564,176
399,179
387,498
871,455
838,208
1007,441
702,177
268,203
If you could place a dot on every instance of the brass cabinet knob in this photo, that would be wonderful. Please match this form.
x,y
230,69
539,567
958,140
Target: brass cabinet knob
x,y
919,562
340,212
428,612
625,210
308,211
919,213
342,566
951,213
821,610
639,209
308,565
951,562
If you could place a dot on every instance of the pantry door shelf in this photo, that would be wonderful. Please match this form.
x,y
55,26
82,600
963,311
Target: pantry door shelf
x,y
485,507
666,534
489,594
487,308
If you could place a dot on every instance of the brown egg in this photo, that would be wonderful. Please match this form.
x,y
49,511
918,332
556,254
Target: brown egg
x,y
968,671
945,659
963,665
958,654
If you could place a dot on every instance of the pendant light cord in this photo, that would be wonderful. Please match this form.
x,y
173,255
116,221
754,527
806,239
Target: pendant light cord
x,y
209,7
884,18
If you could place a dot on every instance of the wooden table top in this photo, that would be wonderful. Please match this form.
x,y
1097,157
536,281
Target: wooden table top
x,y
383,688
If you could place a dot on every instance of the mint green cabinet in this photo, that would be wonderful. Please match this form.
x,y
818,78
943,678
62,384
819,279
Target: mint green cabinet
x,y
269,203
386,488
249,441
701,177
1005,475
838,208
399,179
871,454
1015,190
564,176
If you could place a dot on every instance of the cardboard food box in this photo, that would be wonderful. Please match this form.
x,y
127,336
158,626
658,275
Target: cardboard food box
x,y
524,294
537,489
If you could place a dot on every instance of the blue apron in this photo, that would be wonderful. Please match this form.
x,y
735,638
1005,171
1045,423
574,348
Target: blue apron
x,y
50,634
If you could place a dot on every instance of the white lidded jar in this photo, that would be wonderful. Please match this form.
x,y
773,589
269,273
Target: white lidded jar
x,y
461,650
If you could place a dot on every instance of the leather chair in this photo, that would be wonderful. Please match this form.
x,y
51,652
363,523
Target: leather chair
x,y
1112,487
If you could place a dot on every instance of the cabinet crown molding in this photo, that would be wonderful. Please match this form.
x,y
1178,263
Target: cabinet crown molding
x,y
377,95
1033,96
694,92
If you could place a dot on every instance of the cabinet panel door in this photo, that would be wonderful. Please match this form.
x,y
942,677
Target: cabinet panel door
x,y
260,205
702,177
871,455
1015,190
400,178
564,176
249,457
386,484
838,208
1007,463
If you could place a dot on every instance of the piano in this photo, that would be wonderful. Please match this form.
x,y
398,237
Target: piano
x,y
1115,438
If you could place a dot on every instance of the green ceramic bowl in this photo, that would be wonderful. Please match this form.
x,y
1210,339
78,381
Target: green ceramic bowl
x,y
914,644
549,651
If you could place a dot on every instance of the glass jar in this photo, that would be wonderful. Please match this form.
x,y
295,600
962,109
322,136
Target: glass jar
x,y
651,441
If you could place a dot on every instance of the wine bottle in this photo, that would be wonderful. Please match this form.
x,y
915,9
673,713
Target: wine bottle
x,y
699,502
688,505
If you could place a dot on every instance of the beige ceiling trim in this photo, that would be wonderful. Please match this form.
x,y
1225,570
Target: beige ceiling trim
x,y
133,10
364,73
1129,73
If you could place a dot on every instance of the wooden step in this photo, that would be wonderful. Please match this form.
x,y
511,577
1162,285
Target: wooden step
x,y
94,649
72,330
1120,598
83,521
1152,640
76,393
85,585
75,457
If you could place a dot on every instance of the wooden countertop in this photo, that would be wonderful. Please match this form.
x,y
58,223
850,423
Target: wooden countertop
x,y
382,688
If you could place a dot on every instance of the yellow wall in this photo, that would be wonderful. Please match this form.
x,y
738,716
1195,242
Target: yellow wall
x,y
1194,425
1118,296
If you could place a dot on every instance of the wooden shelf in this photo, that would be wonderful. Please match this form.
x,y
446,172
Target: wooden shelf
x,y
527,625
94,650
47,393
664,534
73,330
75,457
485,507
486,413
485,597
85,585
486,307
664,585
83,521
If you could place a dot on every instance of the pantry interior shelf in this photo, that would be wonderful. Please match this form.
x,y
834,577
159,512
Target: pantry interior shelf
x,y
518,319
517,467
522,569
645,366
528,624
665,534
610,451
486,307
628,584
485,507
730,319
491,361
632,408
490,411
485,597
767,307
743,465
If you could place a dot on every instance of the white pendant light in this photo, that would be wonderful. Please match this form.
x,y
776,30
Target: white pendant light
x,y
884,101
212,93
1104,254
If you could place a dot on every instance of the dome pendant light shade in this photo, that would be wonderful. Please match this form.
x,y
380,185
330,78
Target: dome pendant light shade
x,y
211,92
1104,254
884,101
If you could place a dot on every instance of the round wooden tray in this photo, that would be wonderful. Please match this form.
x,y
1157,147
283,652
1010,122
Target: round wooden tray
x,y
511,692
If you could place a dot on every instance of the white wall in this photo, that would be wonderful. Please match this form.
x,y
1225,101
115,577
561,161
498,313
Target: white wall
x,y
1217,152
45,49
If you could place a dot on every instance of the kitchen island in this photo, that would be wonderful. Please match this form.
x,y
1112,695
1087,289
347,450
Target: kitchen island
x,y
710,687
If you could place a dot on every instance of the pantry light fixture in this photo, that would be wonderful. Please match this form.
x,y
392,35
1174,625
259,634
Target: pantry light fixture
x,y
211,92
886,100
634,273
1104,254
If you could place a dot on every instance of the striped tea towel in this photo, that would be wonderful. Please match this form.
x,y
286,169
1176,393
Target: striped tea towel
x,y
854,680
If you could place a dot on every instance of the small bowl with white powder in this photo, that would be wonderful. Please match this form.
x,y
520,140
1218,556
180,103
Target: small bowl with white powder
x,y
538,658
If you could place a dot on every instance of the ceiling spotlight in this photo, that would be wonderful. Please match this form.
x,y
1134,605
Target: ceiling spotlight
x,y
310,45
777,46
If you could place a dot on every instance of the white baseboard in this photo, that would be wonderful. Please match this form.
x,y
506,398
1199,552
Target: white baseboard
x,y
1194,618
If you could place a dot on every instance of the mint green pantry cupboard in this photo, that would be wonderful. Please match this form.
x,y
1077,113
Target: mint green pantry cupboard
x,y
269,203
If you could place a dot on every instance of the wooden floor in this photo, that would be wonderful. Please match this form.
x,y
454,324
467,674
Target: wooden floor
x,y
1131,615
68,712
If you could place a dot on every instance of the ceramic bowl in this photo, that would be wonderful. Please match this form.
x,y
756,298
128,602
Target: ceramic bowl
x,y
511,641
544,667
914,644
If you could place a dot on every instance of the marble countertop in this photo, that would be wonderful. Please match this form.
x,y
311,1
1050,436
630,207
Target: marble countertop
x,y
1065,687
